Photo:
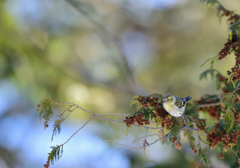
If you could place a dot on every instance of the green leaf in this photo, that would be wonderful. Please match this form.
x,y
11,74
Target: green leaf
x,y
135,102
46,110
211,60
208,2
56,153
209,129
229,119
205,73
127,130
57,127
204,157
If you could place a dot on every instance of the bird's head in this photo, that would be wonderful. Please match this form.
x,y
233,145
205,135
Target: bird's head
x,y
169,99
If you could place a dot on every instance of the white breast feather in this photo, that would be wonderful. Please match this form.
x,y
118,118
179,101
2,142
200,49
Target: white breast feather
x,y
175,111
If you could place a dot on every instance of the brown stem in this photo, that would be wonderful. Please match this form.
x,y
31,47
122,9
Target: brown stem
x,y
207,105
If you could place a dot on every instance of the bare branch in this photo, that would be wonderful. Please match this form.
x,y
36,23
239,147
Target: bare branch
x,y
98,115
70,112
130,147
207,105
144,137
199,162
61,115
115,114
77,130
237,88
234,152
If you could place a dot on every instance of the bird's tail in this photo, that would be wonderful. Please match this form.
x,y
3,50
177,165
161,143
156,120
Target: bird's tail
x,y
186,99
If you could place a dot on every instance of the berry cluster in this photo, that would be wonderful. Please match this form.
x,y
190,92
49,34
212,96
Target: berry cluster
x,y
155,110
213,111
46,165
226,50
223,80
236,116
174,140
200,123
148,102
166,119
38,107
236,73
194,150
235,70
217,136
232,16
221,155
139,119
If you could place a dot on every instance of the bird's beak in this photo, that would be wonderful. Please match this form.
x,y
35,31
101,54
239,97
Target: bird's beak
x,y
164,100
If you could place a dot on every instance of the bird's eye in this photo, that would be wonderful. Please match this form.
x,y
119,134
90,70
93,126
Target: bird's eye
x,y
167,99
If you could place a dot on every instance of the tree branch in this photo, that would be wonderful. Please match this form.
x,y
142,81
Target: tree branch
x,y
207,105
99,115
78,130
130,147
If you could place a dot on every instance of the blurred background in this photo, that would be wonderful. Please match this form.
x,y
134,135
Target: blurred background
x,y
144,47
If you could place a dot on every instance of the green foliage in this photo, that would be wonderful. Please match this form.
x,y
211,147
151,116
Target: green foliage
x,y
206,160
190,109
236,148
128,129
135,102
229,119
158,121
208,2
191,138
211,60
205,142
148,113
237,105
56,153
175,128
205,73
230,78
228,100
209,129
46,110
57,127
219,9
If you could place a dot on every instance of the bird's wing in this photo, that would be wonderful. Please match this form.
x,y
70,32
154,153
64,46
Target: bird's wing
x,y
179,102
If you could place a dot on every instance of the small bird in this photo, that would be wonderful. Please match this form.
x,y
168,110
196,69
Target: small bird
x,y
233,32
174,105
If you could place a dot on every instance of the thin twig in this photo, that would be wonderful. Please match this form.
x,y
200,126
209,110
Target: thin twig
x,y
98,116
234,152
201,159
70,112
78,130
144,137
236,88
61,115
130,147
199,162
114,114
208,153
188,128
207,105
146,133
